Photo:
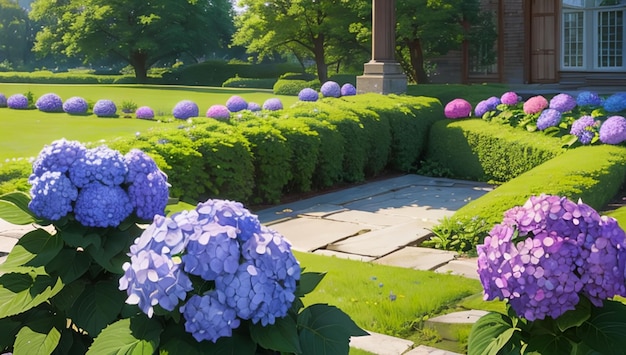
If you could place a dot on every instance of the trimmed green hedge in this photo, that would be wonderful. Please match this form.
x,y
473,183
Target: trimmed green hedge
x,y
256,83
478,150
591,173
49,77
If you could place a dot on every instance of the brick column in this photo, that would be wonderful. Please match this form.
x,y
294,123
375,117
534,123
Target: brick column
x,y
383,74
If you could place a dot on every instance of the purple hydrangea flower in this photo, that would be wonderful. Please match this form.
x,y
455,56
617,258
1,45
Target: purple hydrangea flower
x,y
138,163
273,104
208,318
535,105
218,112
149,195
229,213
17,102
458,108
487,105
588,98
348,89
144,112
75,106
613,130
548,118
213,252
58,156
49,103
584,129
100,164
3,100
330,89
104,108
254,107
510,98
615,103
563,103
52,195
185,109
308,94
100,205
236,103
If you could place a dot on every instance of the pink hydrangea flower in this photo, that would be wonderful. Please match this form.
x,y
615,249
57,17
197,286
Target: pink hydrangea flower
x,y
535,104
458,108
510,98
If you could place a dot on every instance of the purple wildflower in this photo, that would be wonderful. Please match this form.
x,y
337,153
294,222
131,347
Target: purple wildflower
x,y
588,98
144,112
185,109
218,112
563,103
548,118
458,108
104,108
348,89
58,156
49,103
308,94
75,106
613,130
615,102
330,89
535,105
208,318
273,104
510,98
236,103
583,128
52,195
17,102
100,164
3,100
254,107
100,205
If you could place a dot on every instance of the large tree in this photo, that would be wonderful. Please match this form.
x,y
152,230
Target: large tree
x,y
325,31
139,32
16,38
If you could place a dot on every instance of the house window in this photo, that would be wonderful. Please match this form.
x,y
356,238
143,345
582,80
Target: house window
x,y
593,35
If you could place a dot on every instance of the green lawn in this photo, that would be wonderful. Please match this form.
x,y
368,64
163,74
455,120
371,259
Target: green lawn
x,y
24,133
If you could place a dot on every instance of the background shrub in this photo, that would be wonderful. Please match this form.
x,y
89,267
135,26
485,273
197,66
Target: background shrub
x,y
293,87
257,83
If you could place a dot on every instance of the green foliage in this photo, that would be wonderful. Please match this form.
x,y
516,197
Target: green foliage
x,y
257,83
458,234
44,76
128,106
328,170
293,87
14,176
344,78
297,76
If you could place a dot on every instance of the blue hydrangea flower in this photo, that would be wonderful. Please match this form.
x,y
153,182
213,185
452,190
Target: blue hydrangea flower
x,y
75,106
588,98
100,164
218,112
563,103
254,107
348,89
145,113
17,102
308,94
100,205
49,103
548,118
58,156
485,106
167,235
229,213
149,195
236,103
138,163
52,195
273,104
584,129
3,100
207,318
330,89
213,252
613,130
104,108
185,109
615,103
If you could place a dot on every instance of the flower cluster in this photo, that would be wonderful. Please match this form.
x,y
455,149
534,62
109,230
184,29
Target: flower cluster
x,y
535,105
49,103
104,108
99,185
549,251
254,107
218,112
458,108
221,242
588,98
308,94
615,103
562,103
75,106
185,109
235,104
584,128
548,118
613,130
144,112
273,104
330,89
485,106
510,98
348,89
17,102
3,100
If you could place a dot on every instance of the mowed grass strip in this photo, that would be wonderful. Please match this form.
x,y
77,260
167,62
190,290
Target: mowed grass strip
x,y
25,132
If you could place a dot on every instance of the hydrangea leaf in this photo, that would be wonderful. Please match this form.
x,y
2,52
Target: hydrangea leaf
x,y
14,208
549,344
326,329
65,299
33,250
112,253
69,264
308,282
130,336
8,329
604,331
490,334
21,292
575,317
282,336
77,235
39,337
97,306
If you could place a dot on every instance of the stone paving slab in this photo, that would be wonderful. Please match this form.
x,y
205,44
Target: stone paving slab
x,y
332,253
418,258
425,214
427,350
466,267
448,326
381,344
309,234
7,243
368,218
383,241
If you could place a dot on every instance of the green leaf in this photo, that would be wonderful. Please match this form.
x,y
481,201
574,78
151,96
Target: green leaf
x,y
308,282
39,337
14,208
575,317
236,344
605,329
128,336
35,247
549,344
326,329
69,265
8,329
112,252
65,299
97,306
76,235
491,333
21,292
282,336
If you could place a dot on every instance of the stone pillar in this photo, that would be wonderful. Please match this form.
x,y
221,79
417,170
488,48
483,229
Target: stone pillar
x,y
383,74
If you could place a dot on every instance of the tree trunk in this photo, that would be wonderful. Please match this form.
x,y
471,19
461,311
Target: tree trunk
x,y
320,61
417,61
138,62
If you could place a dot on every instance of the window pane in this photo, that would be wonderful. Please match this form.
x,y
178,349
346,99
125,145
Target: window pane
x,y
610,39
573,39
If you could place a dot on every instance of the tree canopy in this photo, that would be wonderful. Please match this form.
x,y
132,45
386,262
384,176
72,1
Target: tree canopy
x,y
16,35
138,32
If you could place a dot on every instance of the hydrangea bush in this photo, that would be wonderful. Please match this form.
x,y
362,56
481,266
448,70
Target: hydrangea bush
x,y
254,107
219,112
3,100
236,103
348,89
458,108
75,106
330,89
273,104
17,102
557,264
185,109
308,94
104,108
144,112
49,103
